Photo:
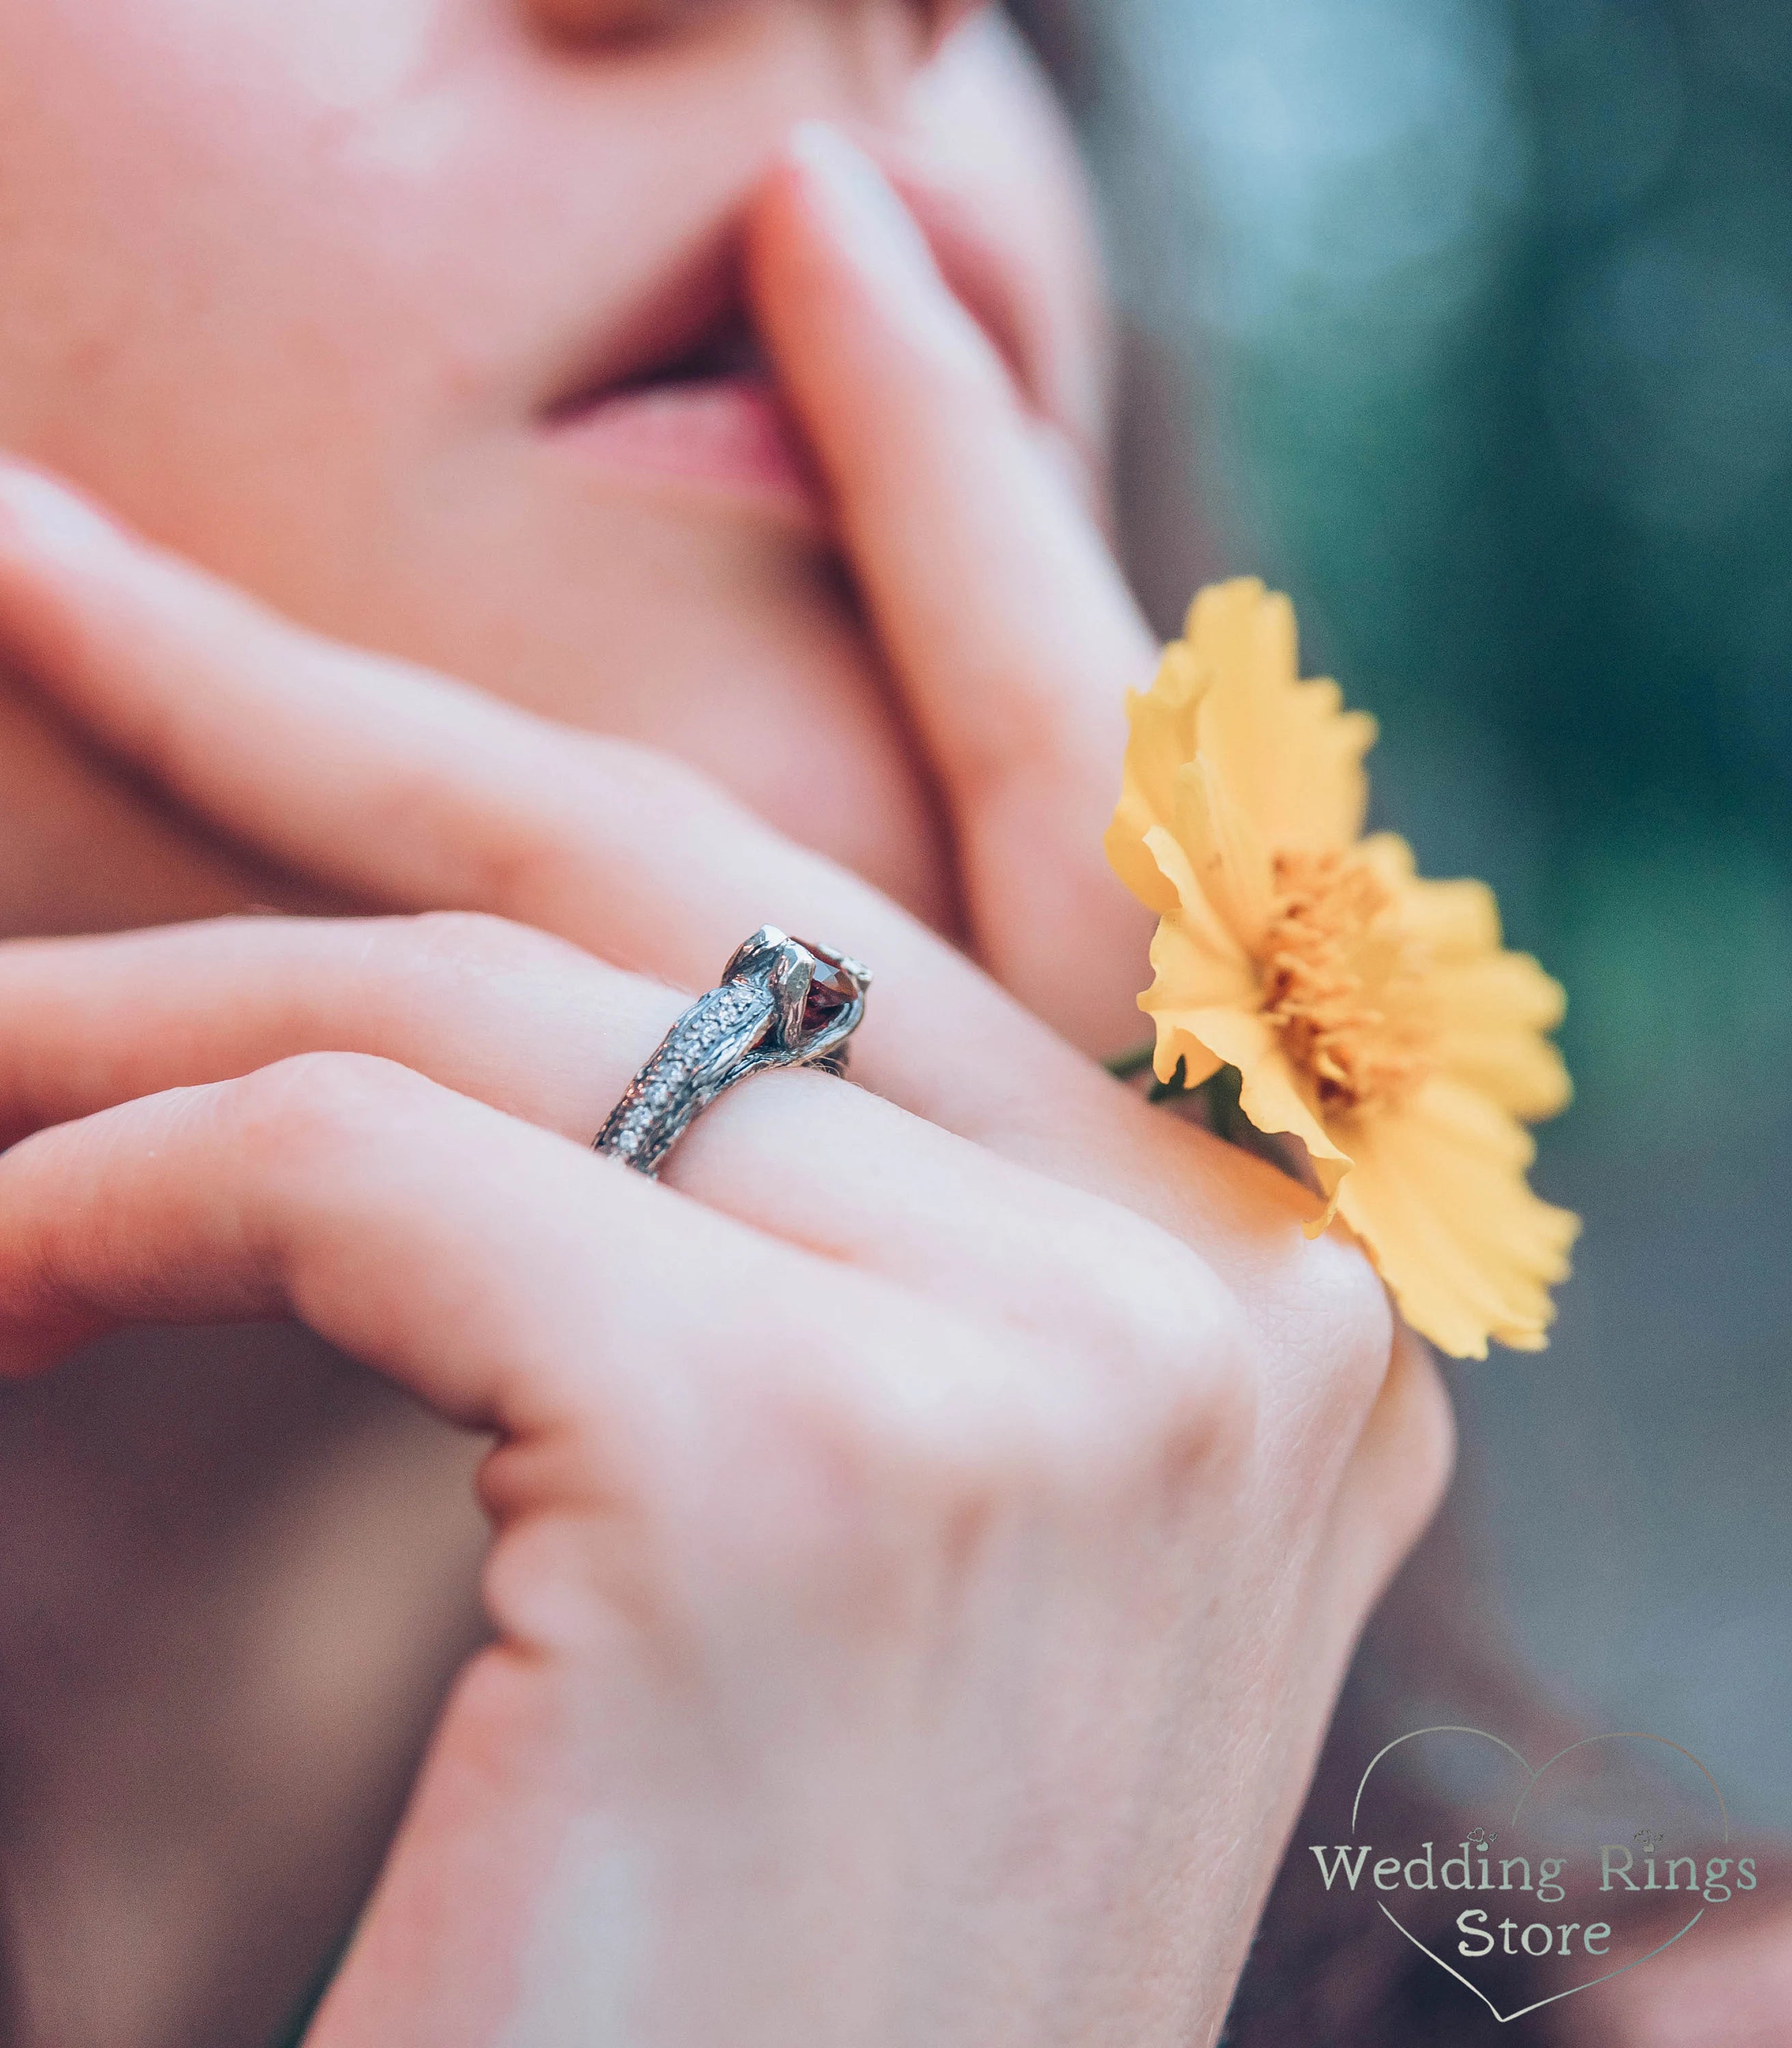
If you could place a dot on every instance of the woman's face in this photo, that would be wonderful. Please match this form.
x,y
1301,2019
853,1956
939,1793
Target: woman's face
x,y
418,317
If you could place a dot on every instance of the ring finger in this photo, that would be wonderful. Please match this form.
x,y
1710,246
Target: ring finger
x,y
544,1032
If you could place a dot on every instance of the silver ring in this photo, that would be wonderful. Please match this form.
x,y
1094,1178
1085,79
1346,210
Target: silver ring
x,y
782,1003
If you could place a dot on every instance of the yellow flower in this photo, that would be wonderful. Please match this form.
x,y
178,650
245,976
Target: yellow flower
x,y
1370,1014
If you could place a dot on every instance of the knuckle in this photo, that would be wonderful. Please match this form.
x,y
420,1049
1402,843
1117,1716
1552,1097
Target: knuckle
x,y
1341,1332
1146,1307
522,863
317,1101
1124,1368
530,849
1176,1360
463,946
873,1470
1176,1381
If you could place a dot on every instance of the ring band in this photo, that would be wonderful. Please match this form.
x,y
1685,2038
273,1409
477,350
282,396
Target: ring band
x,y
782,1003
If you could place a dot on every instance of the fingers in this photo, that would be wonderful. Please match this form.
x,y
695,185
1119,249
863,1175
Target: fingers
x,y
633,1349
512,1281
512,1018
987,158
404,790
543,1032
1187,1242
401,789
1008,627
485,1265
1060,384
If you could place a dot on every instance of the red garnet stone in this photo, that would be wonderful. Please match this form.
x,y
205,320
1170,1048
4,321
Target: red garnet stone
x,y
831,991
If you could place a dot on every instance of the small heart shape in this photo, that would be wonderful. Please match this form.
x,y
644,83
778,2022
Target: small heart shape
x,y
1555,1824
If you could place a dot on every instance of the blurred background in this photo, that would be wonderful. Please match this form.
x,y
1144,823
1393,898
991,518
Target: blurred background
x,y
1476,318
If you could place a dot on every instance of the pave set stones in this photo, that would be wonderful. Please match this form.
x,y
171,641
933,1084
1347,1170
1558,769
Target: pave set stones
x,y
723,1014
696,1037
749,1024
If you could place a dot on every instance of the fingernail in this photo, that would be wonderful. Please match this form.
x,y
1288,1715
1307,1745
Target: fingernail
x,y
48,515
863,207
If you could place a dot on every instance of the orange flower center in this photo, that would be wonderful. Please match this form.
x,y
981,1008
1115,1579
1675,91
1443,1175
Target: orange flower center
x,y
1335,963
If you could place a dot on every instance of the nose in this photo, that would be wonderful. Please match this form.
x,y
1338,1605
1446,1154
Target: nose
x,y
599,21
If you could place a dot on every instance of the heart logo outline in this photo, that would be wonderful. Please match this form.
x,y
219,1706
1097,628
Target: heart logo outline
x,y
1532,1779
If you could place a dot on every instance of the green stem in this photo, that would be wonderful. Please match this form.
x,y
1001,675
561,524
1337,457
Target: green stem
x,y
1225,1115
1175,1089
1219,1100
1130,1065
1219,1095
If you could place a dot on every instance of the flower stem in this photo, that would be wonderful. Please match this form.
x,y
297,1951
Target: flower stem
x,y
1224,1109
1130,1065
1218,1096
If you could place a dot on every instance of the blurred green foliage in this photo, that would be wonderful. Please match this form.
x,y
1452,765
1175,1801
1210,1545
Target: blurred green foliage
x,y
1490,303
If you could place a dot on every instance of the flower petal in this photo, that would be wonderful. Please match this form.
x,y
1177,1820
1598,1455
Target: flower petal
x,y
1195,963
1289,753
1163,743
1491,1016
1439,1200
1271,1094
1450,919
1195,913
1226,852
1484,1010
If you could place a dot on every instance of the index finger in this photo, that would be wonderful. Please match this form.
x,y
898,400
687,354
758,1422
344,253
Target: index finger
x,y
1009,627
405,790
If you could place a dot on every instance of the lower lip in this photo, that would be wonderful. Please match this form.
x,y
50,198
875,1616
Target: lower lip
x,y
730,435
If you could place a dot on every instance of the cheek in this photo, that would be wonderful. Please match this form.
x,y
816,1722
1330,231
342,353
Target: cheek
x,y
282,281
189,268
350,56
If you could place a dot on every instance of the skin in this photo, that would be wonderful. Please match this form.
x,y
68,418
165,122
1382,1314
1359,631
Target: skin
x,y
1029,1533
1032,1532
424,248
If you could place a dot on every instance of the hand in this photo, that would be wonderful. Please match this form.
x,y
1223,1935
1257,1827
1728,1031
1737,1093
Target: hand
x,y
928,1534
918,1584
939,1654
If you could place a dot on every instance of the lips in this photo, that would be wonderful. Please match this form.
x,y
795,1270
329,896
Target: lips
x,y
689,400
